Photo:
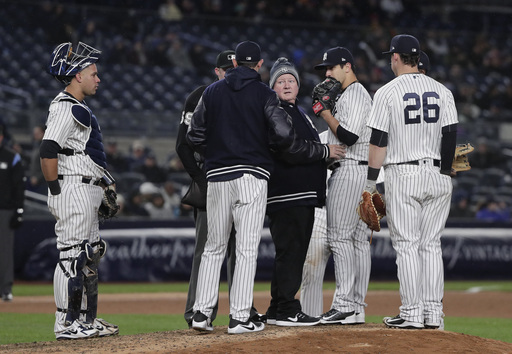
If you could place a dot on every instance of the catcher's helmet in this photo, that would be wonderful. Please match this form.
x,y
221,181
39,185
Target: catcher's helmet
x,y
66,63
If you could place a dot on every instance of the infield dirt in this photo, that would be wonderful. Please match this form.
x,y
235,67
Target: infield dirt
x,y
367,338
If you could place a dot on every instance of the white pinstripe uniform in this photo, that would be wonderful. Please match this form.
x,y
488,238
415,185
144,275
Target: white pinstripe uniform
x,y
232,203
412,109
346,232
76,207
311,293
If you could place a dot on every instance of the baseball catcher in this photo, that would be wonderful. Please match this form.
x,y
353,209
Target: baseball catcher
x,y
324,95
460,160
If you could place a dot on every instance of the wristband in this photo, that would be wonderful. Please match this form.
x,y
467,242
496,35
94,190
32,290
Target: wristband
x,y
373,173
54,187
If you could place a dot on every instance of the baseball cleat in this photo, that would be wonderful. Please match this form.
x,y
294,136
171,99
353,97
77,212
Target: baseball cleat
x,y
7,297
201,322
298,320
435,325
105,328
249,326
258,317
77,330
399,322
356,318
334,316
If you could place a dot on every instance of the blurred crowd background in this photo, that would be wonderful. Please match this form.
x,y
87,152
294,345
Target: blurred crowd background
x,y
155,52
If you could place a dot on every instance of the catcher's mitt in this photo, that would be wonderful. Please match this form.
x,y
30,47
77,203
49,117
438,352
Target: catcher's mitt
x,y
324,95
460,160
371,209
109,207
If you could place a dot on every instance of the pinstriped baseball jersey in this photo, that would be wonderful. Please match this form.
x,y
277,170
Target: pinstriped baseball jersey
x,y
355,102
417,109
69,132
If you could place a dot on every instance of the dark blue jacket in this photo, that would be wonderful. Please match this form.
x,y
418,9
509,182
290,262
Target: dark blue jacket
x,y
301,184
235,125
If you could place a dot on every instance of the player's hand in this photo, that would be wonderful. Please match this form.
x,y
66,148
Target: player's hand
x,y
337,151
324,95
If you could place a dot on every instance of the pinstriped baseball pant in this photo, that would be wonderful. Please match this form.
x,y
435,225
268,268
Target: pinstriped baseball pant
x,y
240,202
347,237
417,206
76,212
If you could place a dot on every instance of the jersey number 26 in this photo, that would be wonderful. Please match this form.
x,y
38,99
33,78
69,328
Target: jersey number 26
x,y
430,110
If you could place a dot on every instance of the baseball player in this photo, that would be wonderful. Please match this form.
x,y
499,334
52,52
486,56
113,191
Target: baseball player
x,y
193,164
73,164
346,233
241,121
424,63
414,130
294,192
311,288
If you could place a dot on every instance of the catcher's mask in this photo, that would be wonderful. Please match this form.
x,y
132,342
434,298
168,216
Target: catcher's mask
x,y
66,63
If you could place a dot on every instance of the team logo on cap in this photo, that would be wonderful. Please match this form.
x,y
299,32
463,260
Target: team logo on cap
x,y
325,57
414,50
231,56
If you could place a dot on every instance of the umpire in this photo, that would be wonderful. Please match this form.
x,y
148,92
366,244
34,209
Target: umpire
x,y
11,212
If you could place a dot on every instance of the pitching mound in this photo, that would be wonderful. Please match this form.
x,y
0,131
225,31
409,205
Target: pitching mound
x,y
368,338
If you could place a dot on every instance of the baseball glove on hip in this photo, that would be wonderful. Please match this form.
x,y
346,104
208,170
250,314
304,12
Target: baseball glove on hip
x,y
460,160
109,207
371,209
324,95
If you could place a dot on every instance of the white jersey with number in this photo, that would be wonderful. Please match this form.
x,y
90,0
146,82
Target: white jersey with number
x,y
415,115
355,102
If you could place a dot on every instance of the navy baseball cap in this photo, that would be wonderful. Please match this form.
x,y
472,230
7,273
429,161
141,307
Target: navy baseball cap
x,y
248,51
424,63
224,59
404,44
335,56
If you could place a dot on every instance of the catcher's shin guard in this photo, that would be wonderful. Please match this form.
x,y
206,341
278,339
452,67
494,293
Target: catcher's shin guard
x,y
91,288
91,281
75,285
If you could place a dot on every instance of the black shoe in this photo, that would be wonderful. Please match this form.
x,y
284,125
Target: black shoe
x,y
258,317
335,316
249,326
298,320
201,322
399,322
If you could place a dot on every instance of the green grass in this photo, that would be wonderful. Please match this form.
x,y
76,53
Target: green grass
x,y
30,289
22,328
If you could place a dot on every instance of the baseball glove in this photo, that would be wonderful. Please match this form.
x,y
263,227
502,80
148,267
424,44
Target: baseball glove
x,y
460,160
324,95
371,209
109,207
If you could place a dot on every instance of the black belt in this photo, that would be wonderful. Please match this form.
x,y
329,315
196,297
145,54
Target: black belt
x,y
338,164
71,152
85,180
436,163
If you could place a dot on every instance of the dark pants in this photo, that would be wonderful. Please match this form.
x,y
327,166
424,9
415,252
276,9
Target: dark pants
x,y
6,252
291,232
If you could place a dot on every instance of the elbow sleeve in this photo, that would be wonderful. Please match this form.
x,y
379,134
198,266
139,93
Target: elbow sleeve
x,y
379,138
48,149
345,136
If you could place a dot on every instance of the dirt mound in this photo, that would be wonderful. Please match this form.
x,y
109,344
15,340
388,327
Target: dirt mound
x,y
368,338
